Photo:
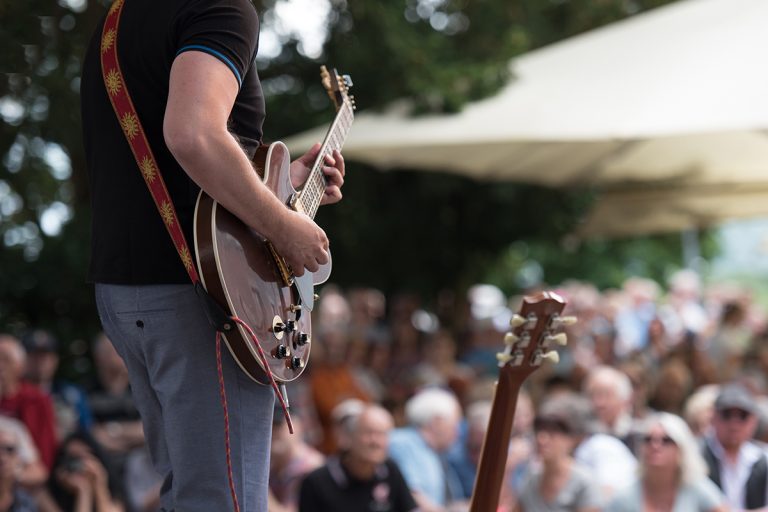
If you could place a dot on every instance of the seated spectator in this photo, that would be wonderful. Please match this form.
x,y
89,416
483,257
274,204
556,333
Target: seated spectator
x,y
609,462
560,483
464,456
291,459
24,401
673,475
116,422
419,449
699,409
69,401
362,478
31,472
610,392
12,497
81,480
737,464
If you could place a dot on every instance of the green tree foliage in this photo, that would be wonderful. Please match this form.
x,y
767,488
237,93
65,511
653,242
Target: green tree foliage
x,y
394,230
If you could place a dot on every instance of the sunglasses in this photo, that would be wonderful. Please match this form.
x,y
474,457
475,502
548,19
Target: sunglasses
x,y
729,414
658,440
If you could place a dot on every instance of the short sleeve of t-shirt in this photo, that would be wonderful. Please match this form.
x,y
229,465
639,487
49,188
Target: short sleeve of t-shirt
x,y
225,29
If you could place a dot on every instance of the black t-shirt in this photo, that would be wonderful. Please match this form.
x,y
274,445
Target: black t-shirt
x,y
331,488
130,244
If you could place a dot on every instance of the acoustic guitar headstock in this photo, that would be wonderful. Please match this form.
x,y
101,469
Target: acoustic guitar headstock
x,y
535,332
337,86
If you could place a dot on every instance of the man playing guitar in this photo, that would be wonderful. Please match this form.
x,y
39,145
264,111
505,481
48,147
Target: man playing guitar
x,y
189,67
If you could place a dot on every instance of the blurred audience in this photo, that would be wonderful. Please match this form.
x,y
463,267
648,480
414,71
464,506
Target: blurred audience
x,y
13,498
30,471
69,400
82,480
420,448
361,478
610,392
464,455
673,475
737,465
380,362
291,459
558,483
24,401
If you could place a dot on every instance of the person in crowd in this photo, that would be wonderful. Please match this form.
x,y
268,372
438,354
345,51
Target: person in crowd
x,y
291,459
737,465
82,480
362,478
609,462
439,366
464,455
31,473
12,497
699,409
69,401
559,483
673,474
731,341
610,392
683,313
332,378
633,319
117,425
419,449
24,401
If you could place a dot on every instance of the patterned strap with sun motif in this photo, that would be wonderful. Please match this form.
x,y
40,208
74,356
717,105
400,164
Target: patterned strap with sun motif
x,y
137,139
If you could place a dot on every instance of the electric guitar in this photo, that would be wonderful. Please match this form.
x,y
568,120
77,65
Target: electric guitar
x,y
246,276
527,346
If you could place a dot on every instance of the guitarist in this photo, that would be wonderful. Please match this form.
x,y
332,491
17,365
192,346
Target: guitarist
x,y
189,67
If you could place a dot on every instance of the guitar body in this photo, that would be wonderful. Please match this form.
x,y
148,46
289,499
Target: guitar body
x,y
245,275
240,271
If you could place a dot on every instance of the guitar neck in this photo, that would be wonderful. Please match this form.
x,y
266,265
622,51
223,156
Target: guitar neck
x,y
314,188
493,458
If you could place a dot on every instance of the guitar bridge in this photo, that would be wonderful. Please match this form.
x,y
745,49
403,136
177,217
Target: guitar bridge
x,y
285,271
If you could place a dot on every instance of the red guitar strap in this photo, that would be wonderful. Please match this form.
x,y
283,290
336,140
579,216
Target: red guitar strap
x,y
136,137
114,82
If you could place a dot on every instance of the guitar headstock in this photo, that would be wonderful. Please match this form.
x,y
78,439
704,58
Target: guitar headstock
x,y
337,86
534,334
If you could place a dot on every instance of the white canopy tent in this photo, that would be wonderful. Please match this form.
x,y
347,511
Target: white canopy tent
x,y
672,96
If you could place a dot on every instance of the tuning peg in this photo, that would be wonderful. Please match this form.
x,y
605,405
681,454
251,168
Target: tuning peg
x,y
559,339
552,356
511,338
347,80
503,357
517,320
563,320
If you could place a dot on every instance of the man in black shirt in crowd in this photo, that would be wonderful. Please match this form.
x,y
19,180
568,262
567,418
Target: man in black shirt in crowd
x,y
189,68
361,478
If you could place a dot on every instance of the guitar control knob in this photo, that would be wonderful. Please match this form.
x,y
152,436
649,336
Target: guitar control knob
x,y
297,363
290,326
278,327
303,338
281,352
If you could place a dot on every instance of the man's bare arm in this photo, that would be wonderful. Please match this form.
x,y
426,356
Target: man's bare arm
x,y
202,91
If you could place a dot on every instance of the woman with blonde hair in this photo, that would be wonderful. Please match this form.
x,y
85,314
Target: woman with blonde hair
x,y
673,474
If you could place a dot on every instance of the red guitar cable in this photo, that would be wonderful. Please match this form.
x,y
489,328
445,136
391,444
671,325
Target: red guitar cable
x,y
223,393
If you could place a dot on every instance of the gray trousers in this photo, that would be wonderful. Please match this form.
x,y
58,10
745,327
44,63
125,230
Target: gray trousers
x,y
163,336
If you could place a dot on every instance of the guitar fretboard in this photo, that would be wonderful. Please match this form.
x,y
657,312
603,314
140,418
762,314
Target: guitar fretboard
x,y
314,188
